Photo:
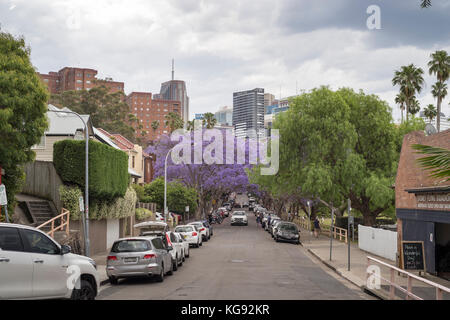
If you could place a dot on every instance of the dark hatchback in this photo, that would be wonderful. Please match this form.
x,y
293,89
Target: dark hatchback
x,y
287,232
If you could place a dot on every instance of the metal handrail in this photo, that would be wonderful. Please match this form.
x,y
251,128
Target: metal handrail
x,y
65,220
439,288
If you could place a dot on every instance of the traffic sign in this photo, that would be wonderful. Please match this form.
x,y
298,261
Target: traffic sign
x,y
3,198
187,208
81,202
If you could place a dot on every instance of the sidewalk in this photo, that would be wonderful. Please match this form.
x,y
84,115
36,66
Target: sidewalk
x,y
320,248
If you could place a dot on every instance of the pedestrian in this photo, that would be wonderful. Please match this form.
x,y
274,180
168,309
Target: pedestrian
x,y
289,216
316,227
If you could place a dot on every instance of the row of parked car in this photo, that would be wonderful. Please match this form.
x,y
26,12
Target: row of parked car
x,y
157,251
280,230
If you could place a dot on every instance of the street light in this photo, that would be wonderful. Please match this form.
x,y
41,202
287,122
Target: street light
x,y
86,188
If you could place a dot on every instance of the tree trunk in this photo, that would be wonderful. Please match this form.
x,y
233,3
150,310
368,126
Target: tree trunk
x,y
438,116
369,219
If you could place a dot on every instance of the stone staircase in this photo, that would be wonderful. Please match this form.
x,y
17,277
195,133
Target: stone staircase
x,y
41,211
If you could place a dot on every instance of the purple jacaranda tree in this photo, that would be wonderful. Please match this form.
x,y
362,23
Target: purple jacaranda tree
x,y
211,181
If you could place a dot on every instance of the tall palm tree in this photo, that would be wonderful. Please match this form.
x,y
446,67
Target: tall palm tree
x,y
425,3
400,99
440,66
410,80
174,121
155,125
209,120
191,125
414,105
430,112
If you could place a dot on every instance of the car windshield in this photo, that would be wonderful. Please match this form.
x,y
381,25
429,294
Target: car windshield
x,y
288,227
131,246
184,229
239,213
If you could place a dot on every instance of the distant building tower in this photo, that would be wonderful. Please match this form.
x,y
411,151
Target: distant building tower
x,y
268,99
224,116
175,90
248,113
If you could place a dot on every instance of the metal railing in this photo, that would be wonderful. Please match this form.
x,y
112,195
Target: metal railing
x,y
408,291
65,220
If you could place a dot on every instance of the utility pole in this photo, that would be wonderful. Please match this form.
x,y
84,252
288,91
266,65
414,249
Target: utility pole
x,y
331,230
348,230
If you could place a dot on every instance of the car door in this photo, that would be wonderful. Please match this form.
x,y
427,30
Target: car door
x,y
49,266
16,268
176,245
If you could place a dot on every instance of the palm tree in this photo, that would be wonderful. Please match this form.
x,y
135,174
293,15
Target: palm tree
x,y
425,3
440,66
190,125
410,80
430,112
209,120
155,125
174,121
414,105
400,99
437,160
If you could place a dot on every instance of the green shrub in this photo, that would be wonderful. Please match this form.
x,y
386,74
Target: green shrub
x,y
143,214
108,167
114,209
70,200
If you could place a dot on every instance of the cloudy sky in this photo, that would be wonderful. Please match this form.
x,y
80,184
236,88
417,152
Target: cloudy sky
x,y
222,46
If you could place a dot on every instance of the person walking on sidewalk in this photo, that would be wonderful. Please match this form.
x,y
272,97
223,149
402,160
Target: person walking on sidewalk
x,y
316,227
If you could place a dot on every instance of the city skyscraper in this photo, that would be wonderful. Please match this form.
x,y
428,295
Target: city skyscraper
x,y
224,116
175,90
248,113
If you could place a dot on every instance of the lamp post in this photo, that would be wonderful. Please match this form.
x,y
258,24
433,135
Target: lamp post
x,y
165,185
86,187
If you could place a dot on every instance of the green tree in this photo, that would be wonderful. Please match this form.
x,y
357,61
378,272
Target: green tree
x,y
410,80
23,106
209,120
155,125
425,3
107,110
190,125
437,160
174,121
440,66
430,112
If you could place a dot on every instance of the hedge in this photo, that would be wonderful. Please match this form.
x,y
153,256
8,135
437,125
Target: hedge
x,y
108,167
99,209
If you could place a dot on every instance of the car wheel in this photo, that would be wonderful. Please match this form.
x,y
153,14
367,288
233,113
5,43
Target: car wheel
x,y
86,291
175,264
171,270
184,256
160,277
209,237
276,239
201,243
197,245
113,280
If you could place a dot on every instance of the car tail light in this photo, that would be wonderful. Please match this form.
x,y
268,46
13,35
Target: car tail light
x,y
112,258
202,229
194,234
149,256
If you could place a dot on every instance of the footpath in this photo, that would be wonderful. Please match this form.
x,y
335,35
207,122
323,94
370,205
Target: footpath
x,y
320,248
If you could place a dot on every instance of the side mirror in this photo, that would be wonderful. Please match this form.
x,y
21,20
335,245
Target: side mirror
x,y
170,248
65,249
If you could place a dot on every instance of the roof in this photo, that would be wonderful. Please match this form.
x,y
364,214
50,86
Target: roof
x,y
436,189
120,141
65,124
100,134
134,173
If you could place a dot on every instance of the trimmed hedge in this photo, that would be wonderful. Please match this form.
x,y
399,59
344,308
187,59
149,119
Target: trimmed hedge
x,y
108,167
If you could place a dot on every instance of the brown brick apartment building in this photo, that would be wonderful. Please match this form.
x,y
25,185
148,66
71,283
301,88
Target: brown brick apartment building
x,y
423,204
148,110
77,79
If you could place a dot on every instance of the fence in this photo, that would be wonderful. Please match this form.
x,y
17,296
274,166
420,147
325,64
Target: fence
x,y
337,232
371,273
148,206
381,242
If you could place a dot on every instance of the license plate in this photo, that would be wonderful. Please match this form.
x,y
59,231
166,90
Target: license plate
x,y
129,260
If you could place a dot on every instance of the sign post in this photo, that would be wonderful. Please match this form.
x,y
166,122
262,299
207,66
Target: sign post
x,y
413,255
4,200
349,222
331,230
186,213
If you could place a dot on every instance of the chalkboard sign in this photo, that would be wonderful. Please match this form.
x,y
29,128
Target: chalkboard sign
x,y
413,255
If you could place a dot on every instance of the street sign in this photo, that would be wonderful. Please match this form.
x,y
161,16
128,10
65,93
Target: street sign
x,y
351,220
187,208
3,199
81,202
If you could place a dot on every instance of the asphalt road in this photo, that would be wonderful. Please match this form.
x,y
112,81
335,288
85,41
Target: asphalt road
x,y
241,262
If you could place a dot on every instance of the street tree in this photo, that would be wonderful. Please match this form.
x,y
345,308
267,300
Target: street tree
x,y
400,99
430,112
440,66
23,107
209,120
173,121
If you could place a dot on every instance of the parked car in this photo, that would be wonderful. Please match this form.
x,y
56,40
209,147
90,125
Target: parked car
x,y
152,228
239,217
274,226
34,266
207,225
139,256
177,252
159,216
191,234
273,217
287,231
185,245
202,229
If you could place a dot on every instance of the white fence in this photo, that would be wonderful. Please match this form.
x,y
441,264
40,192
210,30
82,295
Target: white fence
x,y
381,242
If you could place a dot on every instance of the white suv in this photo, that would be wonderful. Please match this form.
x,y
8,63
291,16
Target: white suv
x,y
34,266
239,217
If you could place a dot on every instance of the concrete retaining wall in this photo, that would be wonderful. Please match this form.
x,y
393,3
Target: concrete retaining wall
x,y
381,242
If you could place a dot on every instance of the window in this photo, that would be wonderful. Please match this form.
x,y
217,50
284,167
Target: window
x,y
78,88
79,75
165,104
45,80
41,144
88,75
88,82
39,243
131,246
158,244
10,239
132,161
79,81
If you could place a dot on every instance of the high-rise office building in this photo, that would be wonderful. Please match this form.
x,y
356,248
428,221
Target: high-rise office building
x,y
224,116
248,113
268,99
175,90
